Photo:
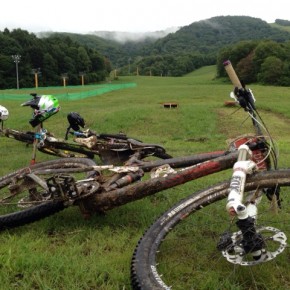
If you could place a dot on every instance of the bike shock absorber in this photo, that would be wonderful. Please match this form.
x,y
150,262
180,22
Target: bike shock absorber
x,y
126,180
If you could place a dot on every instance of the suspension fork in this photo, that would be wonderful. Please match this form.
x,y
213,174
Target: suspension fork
x,y
241,168
252,241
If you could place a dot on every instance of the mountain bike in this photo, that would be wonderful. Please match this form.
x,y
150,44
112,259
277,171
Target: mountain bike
x,y
205,242
42,189
111,148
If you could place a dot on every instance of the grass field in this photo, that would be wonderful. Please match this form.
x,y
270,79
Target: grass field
x,y
66,251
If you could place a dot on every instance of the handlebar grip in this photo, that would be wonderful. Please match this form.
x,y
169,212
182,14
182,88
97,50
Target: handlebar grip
x,y
232,74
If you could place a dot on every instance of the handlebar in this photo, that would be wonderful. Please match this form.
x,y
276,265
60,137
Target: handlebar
x,y
244,96
232,74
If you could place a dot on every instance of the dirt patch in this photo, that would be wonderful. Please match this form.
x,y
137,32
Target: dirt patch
x,y
197,139
233,122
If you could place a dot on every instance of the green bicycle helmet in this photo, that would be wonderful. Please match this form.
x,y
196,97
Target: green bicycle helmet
x,y
44,107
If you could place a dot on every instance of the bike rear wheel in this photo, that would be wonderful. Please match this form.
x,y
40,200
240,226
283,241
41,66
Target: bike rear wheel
x,y
24,200
179,251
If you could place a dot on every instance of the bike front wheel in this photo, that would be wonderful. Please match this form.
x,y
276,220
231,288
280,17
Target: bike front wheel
x,y
25,137
52,147
65,150
179,251
32,193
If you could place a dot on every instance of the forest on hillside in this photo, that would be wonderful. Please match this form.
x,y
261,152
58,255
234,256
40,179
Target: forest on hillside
x,y
53,59
258,50
198,44
204,43
266,62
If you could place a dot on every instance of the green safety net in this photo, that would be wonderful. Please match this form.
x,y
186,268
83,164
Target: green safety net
x,y
74,92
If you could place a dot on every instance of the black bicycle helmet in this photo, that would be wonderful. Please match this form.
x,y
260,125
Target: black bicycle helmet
x,y
75,121
33,103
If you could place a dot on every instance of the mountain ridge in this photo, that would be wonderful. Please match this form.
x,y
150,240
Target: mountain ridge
x,y
189,47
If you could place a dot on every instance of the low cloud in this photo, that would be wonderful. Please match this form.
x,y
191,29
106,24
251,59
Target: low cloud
x,y
133,36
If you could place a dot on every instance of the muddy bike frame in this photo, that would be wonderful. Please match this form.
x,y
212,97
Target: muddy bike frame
x,y
109,199
111,148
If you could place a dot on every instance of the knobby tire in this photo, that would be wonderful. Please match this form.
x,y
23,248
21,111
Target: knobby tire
x,y
179,250
63,149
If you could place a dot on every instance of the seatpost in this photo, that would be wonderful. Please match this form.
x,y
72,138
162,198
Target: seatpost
x,y
67,131
35,143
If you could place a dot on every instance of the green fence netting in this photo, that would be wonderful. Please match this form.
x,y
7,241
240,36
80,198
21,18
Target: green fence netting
x,y
73,93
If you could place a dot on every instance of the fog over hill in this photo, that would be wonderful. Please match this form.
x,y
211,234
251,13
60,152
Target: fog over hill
x,y
122,37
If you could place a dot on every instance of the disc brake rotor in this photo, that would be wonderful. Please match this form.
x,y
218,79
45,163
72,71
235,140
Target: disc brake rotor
x,y
275,244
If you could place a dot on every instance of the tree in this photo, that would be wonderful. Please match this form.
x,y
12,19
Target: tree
x,y
6,69
83,60
265,49
48,71
271,71
246,70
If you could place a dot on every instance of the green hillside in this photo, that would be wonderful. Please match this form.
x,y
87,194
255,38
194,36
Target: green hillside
x,y
190,47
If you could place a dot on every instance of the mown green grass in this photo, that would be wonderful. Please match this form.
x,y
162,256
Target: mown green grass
x,y
66,251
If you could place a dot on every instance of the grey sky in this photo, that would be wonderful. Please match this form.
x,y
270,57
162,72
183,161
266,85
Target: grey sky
x,y
82,16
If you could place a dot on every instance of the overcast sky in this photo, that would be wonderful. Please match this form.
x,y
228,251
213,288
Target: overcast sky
x,y
83,16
